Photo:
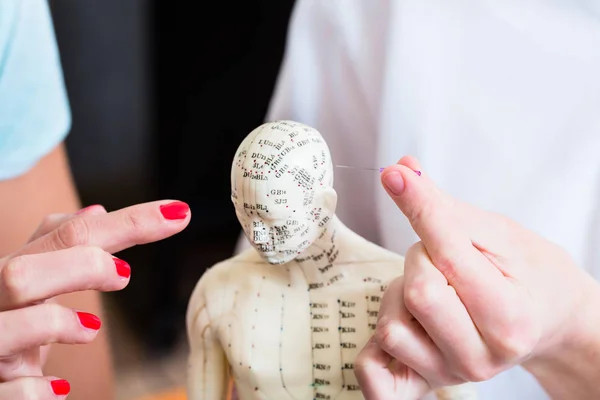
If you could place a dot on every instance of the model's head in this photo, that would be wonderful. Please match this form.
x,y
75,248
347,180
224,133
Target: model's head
x,y
282,188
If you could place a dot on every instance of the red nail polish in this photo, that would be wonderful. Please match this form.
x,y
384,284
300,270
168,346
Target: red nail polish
x,y
89,320
60,387
123,269
175,210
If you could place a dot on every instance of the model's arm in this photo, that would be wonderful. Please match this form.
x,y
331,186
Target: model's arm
x,y
24,201
208,369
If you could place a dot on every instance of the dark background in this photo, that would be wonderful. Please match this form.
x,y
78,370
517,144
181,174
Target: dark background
x,y
162,93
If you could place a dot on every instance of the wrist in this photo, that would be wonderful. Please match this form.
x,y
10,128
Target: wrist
x,y
571,367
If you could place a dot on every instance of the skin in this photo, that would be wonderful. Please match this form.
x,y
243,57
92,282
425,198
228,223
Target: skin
x,y
480,294
60,247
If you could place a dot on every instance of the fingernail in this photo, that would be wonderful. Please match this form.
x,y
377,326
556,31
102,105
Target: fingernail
x,y
123,269
60,387
417,172
394,182
89,320
175,210
86,208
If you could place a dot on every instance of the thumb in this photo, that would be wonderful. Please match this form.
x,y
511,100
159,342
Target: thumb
x,y
431,213
422,202
434,218
441,223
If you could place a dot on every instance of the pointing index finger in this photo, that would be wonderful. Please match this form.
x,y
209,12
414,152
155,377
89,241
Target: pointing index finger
x,y
117,230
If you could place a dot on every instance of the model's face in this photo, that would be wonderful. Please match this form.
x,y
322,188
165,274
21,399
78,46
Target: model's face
x,y
280,225
280,176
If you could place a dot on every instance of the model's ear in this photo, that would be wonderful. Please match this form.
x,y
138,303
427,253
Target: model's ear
x,y
327,201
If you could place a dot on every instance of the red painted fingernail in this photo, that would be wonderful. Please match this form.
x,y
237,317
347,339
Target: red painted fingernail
x,y
89,320
86,208
60,387
123,269
175,210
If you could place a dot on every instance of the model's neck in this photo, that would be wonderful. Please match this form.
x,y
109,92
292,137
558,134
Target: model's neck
x,y
318,261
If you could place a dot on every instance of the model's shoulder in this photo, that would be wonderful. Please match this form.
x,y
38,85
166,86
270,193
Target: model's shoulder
x,y
223,272
221,283
358,249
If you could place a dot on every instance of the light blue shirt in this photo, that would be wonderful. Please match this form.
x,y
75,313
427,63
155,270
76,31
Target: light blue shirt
x,y
34,109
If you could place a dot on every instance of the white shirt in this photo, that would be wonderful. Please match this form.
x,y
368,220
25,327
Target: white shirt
x,y
499,100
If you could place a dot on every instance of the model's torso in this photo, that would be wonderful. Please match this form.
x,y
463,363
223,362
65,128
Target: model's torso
x,y
287,340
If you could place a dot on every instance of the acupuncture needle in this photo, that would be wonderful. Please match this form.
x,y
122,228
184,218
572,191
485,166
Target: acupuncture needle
x,y
363,169
368,169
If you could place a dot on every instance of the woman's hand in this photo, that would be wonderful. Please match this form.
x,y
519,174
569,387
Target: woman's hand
x,y
480,294
68,253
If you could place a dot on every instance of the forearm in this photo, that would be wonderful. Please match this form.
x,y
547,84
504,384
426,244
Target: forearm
x,y
573,370
24,202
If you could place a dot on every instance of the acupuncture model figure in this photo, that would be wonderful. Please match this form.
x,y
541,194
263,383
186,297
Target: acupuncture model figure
x,y
287,318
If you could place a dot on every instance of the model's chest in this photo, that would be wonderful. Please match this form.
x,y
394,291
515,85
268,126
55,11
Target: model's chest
x,y
299,344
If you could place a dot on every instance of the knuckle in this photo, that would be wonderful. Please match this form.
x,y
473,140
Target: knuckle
x,y
515,344
388,334
73,233
421,295
362,365
472,372
55,319
95,260
14,277
415,252
361,372
517,335
359,364
393,288
136,220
